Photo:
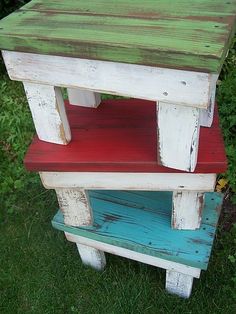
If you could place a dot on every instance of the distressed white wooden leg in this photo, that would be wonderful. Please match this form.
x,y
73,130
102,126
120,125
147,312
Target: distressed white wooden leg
x,y
178,136
178,283
92,257
82,97
74,204
207,115
48,112
187,209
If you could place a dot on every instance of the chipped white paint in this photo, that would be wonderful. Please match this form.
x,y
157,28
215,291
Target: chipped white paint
x,y
129,181
75,207
207,115
180,284
178,133
91,257
145,82
143,258
187,210
48,112
84,98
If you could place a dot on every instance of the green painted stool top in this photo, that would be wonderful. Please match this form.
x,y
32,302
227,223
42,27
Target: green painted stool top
x,y
183,34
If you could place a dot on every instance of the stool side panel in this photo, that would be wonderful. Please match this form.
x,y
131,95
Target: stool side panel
x,y
129,181
186,88
147,259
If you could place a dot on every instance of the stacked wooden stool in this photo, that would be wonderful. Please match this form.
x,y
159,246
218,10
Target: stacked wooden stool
x,y
134,177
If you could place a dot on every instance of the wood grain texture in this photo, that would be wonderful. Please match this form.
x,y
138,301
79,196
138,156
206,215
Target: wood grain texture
x,y
143,258
178,136
91,256
187,210
207,115
168,85
126,31
75,207
129,181
84,98
48,111
140,221
119,136
179,284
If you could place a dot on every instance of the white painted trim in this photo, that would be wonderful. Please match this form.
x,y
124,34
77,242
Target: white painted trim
x,y
84,98
180,87
75,207
179,284
207,115
91,257
143,258
178,136
48,112
129,181
187,209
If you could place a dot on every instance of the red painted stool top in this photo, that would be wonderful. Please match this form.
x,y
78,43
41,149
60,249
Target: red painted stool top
x,y
119,136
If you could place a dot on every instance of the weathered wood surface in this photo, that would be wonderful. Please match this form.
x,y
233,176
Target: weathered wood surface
x,y
138,81
207,115
178,136
140,221
187,210
129,181
143,258
179,284
119,136
48,112
75,206
91,256
126,31
84,98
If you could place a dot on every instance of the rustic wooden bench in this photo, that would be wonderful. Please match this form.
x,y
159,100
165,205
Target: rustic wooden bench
x,y
171,54
113,149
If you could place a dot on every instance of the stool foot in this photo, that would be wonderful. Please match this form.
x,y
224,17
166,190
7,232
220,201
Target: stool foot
x,y
83,97
178,136
187,209
179,284
48,112
92,257
74,204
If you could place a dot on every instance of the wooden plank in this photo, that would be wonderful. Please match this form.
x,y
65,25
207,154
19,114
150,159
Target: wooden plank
x,y
75,207
179,284
147,259
180,87
84,98
187,210
119,137
91,257
136,8
48,112
129,181
197,42
178,136
140,221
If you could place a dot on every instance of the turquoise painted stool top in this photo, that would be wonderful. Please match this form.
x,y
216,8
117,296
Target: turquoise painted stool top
x,y
140,221
181,34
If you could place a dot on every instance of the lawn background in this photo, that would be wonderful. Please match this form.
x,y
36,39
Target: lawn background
x,y
40,272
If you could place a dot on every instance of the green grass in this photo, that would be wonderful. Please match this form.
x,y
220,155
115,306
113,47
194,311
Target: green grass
x,y
40,272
